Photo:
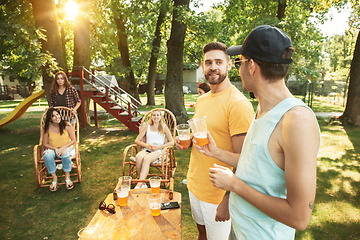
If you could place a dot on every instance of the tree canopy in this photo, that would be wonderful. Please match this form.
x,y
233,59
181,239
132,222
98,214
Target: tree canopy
x,y
22,51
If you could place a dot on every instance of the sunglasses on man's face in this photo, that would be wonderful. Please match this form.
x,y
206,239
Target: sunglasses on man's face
x,y
238,61
110,208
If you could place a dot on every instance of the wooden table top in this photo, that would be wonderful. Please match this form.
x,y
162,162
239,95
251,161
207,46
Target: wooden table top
x,y
135,220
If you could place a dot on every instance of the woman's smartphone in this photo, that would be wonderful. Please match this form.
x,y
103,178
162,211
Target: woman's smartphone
x,y
169,205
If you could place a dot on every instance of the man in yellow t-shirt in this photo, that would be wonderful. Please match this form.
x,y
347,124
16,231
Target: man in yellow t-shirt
x,y
228,117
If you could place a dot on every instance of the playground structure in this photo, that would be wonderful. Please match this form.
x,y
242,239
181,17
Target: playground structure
x,y
113,99
21,108
92,84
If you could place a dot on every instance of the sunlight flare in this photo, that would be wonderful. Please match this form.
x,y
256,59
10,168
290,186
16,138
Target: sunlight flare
x,y
71,9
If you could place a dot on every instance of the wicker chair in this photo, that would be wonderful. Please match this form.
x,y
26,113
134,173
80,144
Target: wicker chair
x,y
42,176
166,166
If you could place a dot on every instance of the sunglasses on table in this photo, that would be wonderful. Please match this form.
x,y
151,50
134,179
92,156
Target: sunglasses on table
x,y
110,208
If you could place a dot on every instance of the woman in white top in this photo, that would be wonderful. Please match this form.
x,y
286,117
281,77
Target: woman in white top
x,y
155,133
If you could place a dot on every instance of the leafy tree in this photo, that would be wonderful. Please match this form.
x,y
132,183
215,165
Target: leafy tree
x,y
82,48
124,48
339,49
174,77
351,115
138,21
292,16
46,19
163,8
20,54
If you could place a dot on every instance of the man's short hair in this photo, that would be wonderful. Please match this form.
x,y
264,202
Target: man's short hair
x,y
215,46
274,71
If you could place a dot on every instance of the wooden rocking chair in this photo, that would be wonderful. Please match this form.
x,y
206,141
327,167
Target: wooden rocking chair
x,y
164,168
42,175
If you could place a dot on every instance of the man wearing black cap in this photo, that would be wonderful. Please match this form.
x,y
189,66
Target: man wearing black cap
x,y
273,188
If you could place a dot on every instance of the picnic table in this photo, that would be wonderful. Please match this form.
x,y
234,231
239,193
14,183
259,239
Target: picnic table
x,y
135,220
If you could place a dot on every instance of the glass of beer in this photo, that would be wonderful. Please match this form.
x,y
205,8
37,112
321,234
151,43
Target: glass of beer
x,y
154,203
183,131
198,127
123,196
155,184
125,182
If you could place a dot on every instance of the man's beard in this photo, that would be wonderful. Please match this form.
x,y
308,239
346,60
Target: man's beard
x,y
212,80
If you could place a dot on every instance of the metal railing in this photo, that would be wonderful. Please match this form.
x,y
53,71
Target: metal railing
x,y
116,95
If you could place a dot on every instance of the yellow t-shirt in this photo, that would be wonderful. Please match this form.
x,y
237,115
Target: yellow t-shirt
x,y
57,140
228,113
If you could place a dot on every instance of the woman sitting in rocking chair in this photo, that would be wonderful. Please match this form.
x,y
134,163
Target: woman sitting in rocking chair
x,y
155,133
58,136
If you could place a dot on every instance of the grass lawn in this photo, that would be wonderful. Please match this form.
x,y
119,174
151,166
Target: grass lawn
x,y
29,212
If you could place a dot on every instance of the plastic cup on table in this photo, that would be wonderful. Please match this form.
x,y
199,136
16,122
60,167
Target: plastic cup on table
x,y
125,182
199,129
155,203
155,184
123,196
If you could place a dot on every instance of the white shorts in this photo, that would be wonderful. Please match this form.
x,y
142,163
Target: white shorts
x,y
204,214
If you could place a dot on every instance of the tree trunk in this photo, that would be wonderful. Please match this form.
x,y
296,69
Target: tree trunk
x,y
153,59
82,54
125,57
45,17
174,97
281,9
351,115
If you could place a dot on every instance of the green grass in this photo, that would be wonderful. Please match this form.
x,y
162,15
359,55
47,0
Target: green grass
x,y
29,212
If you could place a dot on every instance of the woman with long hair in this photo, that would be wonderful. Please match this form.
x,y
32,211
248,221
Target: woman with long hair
x,y
58,136
63,94
155,132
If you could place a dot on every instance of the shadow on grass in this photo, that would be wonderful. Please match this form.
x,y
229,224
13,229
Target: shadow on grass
x,y
336,212
354,136
331,231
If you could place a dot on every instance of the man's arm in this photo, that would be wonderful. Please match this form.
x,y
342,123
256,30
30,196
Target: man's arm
x,y
230,158
300,142
222,211
237,142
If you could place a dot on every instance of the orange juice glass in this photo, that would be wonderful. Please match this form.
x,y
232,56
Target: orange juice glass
x,y
155,184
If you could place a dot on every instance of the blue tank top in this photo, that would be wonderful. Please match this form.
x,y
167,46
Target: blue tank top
x,y
259,171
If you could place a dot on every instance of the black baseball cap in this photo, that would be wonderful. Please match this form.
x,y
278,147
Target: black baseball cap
x,y
265,43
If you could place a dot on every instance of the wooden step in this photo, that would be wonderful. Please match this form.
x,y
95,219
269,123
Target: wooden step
x,y
136,119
